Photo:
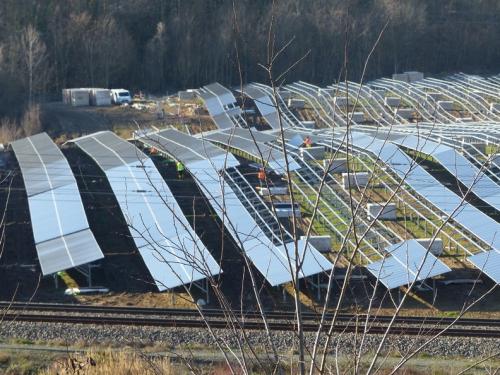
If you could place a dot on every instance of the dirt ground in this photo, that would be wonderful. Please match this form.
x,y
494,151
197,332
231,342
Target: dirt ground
x,y
64,122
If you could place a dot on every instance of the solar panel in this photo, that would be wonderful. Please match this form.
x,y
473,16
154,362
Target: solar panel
x,y
241,139
264,104
407,262
223,121
216,110
58,218
488,262
224,95
459,166
188,149
214,107
68,251
34,154
171,250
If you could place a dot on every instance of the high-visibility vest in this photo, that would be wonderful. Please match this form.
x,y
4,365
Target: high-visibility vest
x,y
180,166
261,175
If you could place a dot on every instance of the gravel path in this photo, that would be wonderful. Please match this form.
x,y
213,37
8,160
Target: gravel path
x,y
179,337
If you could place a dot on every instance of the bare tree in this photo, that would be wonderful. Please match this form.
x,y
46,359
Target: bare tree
x,y
33,56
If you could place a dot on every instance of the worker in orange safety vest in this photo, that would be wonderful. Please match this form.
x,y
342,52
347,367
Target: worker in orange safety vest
x,y
261,175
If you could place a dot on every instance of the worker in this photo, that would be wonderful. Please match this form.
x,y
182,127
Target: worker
x,y
261,175
180,170
308,142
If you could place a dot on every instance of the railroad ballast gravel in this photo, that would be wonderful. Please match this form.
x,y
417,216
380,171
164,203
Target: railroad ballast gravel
x,y
71,334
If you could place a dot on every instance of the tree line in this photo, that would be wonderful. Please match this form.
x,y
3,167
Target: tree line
x,y
162,45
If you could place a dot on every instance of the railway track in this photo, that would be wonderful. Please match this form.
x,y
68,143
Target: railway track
x,y
286,316
251,325
278,320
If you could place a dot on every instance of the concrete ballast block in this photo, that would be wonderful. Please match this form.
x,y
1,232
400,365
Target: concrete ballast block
x,y
382,211
325,91
392,101
357,116
284,210
321,243
447,105
356,179
405,113
274,190
337,166
433,96
378,92
340,101
296,103
315,152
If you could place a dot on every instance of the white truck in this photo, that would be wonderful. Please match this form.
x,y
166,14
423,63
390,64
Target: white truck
x,y
120,96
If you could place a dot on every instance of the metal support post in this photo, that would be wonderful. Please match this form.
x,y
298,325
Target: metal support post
x,y
319,289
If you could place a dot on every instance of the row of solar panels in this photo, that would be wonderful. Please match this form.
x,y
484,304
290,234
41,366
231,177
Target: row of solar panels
x,y
408,261
170,248
474,220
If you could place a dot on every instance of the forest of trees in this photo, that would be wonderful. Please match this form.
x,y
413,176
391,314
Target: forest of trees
x,y
163,45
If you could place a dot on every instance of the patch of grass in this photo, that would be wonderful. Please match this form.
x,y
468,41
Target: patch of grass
x,y
67,279
24,362
110,363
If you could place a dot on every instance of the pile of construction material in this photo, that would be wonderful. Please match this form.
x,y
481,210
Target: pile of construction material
x,y
80,97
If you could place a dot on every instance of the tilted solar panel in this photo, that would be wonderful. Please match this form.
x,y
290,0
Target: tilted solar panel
x,y
171,250
58,218
407,262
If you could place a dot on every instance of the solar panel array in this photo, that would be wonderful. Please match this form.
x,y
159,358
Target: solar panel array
x,y
468,216
252,143
171,250
276,263
60,228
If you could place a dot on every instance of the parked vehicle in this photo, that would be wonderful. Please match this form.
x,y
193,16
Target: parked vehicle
x,y
120,96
